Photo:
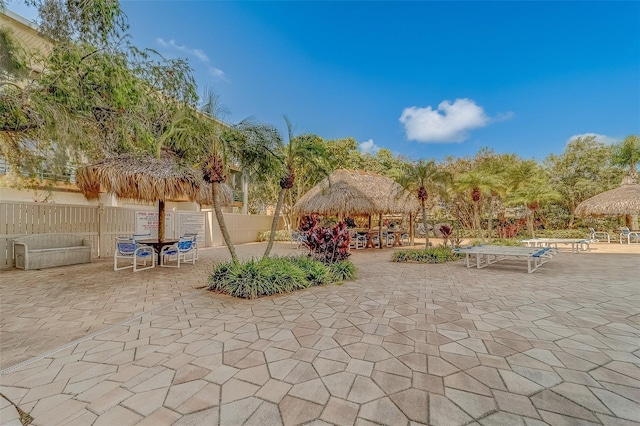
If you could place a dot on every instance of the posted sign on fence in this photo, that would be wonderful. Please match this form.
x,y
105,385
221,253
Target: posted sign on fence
x,y
147,222
192,223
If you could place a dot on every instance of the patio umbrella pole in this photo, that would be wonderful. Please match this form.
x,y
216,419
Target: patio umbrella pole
x,y
380,232
161,220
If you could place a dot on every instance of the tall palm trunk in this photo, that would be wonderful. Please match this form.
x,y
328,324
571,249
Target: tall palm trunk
x,y
424,223
274,224
476,216
490,225
221,223
531,222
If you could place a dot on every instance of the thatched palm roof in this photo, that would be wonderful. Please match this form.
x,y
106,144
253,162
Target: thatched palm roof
x,y
147,178
356,193
623,200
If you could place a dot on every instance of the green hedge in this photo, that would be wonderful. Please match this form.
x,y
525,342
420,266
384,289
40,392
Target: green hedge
x,y
497,242
429,255
256,278
282,235
563,233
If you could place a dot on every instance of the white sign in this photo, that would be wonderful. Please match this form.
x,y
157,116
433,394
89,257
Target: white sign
x,y
147,222
192,223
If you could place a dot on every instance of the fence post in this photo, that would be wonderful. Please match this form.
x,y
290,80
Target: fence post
x,y
101,227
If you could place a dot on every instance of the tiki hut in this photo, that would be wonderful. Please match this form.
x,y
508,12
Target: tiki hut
x,y
621,201
146,178
356,193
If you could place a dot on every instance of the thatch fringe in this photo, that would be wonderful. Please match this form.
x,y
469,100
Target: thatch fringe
x,y
356,193
623,200
147,178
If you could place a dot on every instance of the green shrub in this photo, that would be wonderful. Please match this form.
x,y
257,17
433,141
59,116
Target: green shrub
x,y
256,278
317,273
281,235
343,270
429,255
562,233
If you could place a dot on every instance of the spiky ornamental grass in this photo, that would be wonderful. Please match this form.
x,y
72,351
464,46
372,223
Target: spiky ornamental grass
x,y
428,255
275,275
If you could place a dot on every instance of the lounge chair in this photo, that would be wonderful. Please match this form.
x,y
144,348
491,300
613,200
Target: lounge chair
x,y
630,236
127,248
486,255
596,235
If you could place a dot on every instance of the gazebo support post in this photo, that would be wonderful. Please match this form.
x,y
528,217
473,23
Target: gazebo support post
x,y
380,232
411,230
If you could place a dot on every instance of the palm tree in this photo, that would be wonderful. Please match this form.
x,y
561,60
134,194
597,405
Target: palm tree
x,y
535,192
303,149
420,178
478,182
628,153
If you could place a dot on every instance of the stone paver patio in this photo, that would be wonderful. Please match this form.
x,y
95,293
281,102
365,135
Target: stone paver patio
x,y
403,344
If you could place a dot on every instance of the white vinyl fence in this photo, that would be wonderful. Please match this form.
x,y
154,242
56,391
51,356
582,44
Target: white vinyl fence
x,y
102,224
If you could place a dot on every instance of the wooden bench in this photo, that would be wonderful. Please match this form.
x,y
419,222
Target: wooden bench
x,y
40,251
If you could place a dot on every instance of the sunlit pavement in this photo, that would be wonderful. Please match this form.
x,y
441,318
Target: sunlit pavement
x,y
403,344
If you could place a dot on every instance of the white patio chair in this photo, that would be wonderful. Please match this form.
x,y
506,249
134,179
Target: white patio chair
x,y
184,251
358,241
631,236
127,248
195,242
595,235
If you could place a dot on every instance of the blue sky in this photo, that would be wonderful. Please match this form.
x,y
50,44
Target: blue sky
x,y
423,79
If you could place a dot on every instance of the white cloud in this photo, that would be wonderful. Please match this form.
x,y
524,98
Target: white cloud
x,y
600,138
368,147
171,44
216,72
198,53
450,122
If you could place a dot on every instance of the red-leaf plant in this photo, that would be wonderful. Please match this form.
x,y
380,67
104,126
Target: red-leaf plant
x,y
446,232
326,244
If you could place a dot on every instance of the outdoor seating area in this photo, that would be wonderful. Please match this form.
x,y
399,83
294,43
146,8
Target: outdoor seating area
x,y
486,255
139,249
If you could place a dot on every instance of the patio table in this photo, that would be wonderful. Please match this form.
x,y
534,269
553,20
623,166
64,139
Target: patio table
x,y
158,245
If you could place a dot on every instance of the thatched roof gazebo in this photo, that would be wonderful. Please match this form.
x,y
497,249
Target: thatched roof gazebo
x,y
356,193
621,201
146,178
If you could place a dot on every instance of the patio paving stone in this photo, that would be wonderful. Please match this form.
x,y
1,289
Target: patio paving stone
x,y
404,344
